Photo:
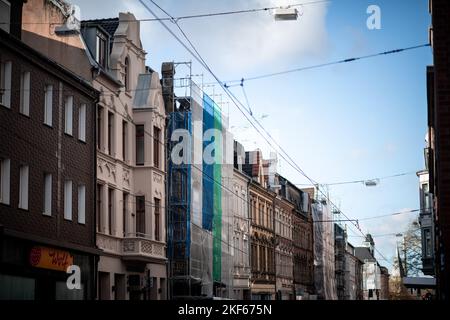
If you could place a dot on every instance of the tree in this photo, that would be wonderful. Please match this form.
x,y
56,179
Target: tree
x,y
411,250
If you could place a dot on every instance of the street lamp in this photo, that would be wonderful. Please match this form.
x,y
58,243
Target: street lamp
x,y
285,14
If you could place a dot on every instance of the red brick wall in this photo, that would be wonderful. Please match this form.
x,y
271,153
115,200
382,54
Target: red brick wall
x,y
26,140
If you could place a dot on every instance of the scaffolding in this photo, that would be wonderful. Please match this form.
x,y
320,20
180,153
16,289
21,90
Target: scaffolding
x,y
324,257
199,223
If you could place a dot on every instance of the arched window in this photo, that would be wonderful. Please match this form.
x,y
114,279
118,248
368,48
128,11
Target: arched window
x,y
127,74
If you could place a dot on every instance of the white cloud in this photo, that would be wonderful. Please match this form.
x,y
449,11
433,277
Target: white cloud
x,y
242,42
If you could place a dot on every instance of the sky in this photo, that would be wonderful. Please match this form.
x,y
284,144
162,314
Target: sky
x,y
352,121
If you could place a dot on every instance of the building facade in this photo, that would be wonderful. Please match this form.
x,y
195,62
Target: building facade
x,y
130,163
200,186
439,134
241,228
371,272
262,230
47,176
130,127
353,275
340,248
284,265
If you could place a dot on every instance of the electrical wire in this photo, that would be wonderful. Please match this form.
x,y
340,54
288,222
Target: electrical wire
x,y
186,17
279,73
205,65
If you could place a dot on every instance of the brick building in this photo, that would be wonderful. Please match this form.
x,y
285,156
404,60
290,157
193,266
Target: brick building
x,y
130,130
47,176
439,137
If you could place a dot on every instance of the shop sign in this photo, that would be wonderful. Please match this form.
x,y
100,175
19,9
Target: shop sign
x,y
49,258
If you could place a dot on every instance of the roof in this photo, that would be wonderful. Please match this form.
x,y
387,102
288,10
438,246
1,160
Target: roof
x,y
363,253
142,91
110,25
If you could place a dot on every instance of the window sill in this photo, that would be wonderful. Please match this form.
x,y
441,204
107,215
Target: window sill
x,y
25,115
82,141
68,134
48,125
48,215
5,106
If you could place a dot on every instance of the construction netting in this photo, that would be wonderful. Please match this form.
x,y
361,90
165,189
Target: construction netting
x,y
207,197
324,258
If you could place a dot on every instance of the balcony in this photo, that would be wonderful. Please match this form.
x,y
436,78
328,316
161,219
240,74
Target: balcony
x,y
133,247
137,248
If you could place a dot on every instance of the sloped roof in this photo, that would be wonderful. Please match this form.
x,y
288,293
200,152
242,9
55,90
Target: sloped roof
x,y
110,25
363,253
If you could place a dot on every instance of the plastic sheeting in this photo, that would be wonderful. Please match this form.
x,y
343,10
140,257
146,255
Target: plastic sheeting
x,y
324,259
200,225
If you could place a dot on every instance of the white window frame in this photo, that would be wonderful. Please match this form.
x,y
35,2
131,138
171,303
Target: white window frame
x,y
82,122
7,25
68,196
47,200
5,182
24,175
48,105
25,87
68,115
82,204
5,83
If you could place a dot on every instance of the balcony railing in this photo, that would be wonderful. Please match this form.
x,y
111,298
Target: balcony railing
x,y
137,247
132,246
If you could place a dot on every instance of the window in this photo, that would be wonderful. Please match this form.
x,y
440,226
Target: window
x,y
140,215
82,204
23,187
127,74
47,208
68,107
5,83
25,93
110,210
156,146
4,180
124,140
99,207
157,218
82,123
99,126
5,15
101,50
68,200
110,133
140,145
48,107
124,213
428,252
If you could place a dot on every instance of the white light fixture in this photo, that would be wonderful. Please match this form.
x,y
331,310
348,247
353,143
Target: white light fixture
x,y
371,183
285,14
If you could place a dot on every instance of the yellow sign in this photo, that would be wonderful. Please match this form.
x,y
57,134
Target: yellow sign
x,y
48,258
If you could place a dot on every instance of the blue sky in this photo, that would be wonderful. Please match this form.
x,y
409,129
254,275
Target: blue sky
x,y
357,120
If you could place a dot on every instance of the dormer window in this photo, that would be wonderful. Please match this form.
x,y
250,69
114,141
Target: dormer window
x,y
101,49
5,15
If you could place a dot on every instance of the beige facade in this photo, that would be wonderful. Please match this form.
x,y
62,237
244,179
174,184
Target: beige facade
x,y
130,198
284,264
241,236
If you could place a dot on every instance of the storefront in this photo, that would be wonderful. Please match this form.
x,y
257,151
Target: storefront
x,y
34,271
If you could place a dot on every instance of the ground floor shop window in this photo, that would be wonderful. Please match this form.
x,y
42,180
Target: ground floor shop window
x,y
16,288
